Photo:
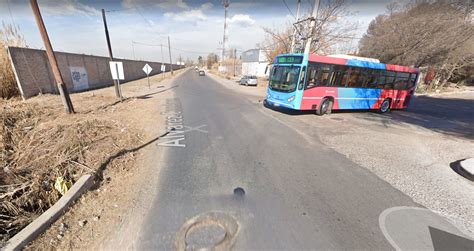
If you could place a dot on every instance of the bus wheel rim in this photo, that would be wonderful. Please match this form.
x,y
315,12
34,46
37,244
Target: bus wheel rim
x,y
385,106
324,106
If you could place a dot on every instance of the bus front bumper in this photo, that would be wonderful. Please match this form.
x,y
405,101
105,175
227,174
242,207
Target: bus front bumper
x,y
278,103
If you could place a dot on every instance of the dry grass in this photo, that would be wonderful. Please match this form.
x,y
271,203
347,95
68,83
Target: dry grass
x,y
8,86
38,143
9,36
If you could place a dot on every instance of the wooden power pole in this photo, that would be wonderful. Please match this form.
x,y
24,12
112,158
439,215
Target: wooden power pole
x,y
295,32
118,93
52,59
314,16
169,49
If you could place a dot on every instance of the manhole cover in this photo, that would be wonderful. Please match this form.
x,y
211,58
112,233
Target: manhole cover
x,y
204,236
209,231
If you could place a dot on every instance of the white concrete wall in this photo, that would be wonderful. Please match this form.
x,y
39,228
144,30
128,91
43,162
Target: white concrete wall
x,y
254,68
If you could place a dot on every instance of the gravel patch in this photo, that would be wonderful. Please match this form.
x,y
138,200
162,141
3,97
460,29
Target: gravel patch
x,y
413,161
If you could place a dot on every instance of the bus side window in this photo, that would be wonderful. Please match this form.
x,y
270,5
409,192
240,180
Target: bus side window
x,y
389,80
372,79
302,78
355,78
339,76
325,77
381,79
401,81
412,81
312,77
364,75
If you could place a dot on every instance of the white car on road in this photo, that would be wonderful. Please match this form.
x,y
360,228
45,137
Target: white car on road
x,y
248,80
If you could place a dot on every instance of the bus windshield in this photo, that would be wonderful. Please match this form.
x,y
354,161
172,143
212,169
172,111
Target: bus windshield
x,y
284,78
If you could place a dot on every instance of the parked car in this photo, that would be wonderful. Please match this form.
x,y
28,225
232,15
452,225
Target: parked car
x,y
202,73
248,80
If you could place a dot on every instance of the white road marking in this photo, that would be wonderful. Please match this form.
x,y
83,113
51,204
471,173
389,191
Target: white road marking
x,y
197,129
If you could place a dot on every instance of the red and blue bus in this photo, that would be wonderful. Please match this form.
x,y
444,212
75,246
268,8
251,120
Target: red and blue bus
x,y
326,83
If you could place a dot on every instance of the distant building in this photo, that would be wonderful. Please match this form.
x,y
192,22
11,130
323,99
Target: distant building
x,y
254,62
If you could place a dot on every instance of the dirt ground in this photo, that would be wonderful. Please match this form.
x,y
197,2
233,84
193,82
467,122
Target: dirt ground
x,y
413,150
131,126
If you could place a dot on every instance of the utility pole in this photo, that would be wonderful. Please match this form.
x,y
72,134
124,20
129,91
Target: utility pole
x,y
162,60
169,49
133,51
314,16
235,57
293,40
226,36
52,59
111,56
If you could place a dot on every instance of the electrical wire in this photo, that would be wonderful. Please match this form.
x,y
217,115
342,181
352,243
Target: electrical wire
x,y
291,13
123,9
176,49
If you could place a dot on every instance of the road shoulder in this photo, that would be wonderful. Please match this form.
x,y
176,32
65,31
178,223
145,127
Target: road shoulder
x,y
100,216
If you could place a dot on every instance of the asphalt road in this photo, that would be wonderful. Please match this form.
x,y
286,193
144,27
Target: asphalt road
x,y
299,194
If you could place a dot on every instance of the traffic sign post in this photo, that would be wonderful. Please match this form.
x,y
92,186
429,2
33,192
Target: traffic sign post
x,y
116,69
147,69
163,69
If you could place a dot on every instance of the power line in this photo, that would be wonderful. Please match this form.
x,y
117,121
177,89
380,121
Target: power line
x,y
123,9
148,22
288,8
157,45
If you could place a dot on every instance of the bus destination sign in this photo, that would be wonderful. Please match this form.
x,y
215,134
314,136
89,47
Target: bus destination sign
x,y
290,59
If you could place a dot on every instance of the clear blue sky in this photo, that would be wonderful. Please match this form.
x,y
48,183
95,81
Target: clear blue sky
x,y
195,27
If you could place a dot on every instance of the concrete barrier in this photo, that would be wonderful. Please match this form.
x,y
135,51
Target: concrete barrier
x,y
80,72
40,224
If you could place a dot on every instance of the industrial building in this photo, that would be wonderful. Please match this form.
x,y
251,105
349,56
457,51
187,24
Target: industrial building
x,y
255,62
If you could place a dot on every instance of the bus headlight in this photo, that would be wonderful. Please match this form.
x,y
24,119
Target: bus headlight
x,y
291,98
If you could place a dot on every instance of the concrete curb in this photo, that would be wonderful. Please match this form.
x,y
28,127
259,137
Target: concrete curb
x,y
443,93
467,166
40,224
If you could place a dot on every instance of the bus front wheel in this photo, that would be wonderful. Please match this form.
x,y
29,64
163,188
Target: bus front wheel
x,y
385,106
325,107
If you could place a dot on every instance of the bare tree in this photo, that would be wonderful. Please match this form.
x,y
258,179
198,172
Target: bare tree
x,y
425,33
330,30
276,42
211,60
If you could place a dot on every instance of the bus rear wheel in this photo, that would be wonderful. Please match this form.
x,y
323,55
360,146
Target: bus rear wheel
x,y
325,107
385,106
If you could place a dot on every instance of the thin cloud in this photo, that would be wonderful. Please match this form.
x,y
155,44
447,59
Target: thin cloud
x,y
242,20
192,15
164,4
68,8
244,5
